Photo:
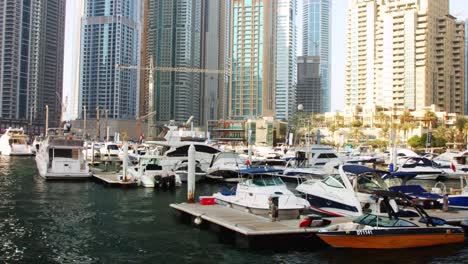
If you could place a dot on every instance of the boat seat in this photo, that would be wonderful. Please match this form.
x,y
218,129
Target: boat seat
x,y
348,226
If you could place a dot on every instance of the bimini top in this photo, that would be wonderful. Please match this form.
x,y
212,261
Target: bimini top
x,y
260,171
359,169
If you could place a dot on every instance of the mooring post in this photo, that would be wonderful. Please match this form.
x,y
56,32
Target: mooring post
x,y
92,153
191,175
125,161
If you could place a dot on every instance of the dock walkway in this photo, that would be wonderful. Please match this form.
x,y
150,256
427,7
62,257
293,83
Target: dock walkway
x,y
246,223
112,178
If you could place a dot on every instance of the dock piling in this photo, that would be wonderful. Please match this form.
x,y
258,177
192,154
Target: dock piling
x,y
191,174
125,161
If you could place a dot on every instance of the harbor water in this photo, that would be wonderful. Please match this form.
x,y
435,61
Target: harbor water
x,y
86,222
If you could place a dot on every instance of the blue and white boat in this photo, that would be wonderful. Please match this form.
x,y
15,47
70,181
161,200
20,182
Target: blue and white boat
x,y
349,192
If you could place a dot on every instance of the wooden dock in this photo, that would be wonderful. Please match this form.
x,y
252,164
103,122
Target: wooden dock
x,y
112,178
245,223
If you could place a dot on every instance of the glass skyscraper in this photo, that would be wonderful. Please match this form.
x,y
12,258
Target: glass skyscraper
x,y
110,37
31,62
466,68
174,40
252,86
285,59
316,41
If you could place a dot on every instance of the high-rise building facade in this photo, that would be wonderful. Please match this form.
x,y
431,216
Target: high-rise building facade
x,y
31,63
285,92
215,56
309,88
466,66
110,38
405,54
253,51
174,40
316,41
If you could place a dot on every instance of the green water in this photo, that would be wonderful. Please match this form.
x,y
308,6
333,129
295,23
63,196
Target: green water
x,y
86,222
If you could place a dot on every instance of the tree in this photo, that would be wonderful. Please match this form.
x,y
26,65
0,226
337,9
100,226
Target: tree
x,y
405,123
415,141
429,119
382,119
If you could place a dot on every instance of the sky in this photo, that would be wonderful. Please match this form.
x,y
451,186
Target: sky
x,y
458,8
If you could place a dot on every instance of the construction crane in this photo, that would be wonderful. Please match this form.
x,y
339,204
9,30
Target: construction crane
x,y
172,69
151,70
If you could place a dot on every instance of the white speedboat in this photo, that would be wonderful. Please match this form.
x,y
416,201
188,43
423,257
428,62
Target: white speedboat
x,y
255,190
15,143
424,168
453,164
148,173
61,157
225,166
346,193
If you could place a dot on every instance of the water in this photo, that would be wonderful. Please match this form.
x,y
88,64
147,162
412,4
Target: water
x,y
85,222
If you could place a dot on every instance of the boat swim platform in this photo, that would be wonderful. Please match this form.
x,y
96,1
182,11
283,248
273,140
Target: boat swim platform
x,y
252,231
113,179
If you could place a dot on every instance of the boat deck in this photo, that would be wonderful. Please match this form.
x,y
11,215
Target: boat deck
x,y
246,223
112,178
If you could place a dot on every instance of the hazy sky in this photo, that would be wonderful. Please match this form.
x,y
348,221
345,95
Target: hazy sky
x,y
458,8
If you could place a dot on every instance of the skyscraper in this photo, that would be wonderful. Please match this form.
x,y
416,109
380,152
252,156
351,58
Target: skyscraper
x,y
406,54
110,37
174,40
31,61
215,56
285,59
466,66
309,84
253,52
316,41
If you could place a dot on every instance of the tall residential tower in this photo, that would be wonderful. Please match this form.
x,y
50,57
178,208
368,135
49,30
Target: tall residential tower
x,y
174,40
110,37
253,52
316,41
31,63
405,54
215,56
285,94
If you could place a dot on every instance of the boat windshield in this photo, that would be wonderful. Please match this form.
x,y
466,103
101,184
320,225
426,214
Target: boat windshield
x,y
382,221
113,147
267,181
368,184
334,181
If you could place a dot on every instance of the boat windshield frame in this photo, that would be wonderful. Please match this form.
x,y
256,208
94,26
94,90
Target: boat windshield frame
x,y
382,221
334,178
265,180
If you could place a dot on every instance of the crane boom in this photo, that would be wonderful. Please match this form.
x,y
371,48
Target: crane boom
x,y
172,69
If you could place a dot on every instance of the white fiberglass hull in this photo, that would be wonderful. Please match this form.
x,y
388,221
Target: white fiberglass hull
x,y
283,214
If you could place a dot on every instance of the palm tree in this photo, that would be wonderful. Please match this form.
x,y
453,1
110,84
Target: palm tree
x,y
405,120
430,119
382,119
332,130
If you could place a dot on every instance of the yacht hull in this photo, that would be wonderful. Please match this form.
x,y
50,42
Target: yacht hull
x,y
283,214
392,239
330,207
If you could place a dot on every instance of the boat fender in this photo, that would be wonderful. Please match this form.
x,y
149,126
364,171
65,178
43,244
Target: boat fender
x,y
198,220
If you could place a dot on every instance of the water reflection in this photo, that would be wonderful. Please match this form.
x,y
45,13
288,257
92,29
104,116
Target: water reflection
x,y
87,222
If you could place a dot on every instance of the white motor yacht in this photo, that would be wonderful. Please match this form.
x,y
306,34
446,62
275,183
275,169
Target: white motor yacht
x,y
149,173
453,164
15,143
253,194
109,149
345,193
89,151
181,169
319,155
225,166
424,168
61,157
174,153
